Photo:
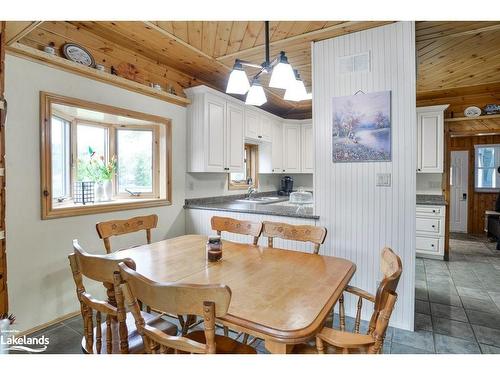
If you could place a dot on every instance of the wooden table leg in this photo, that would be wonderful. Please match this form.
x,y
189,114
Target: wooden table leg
x,y
275,347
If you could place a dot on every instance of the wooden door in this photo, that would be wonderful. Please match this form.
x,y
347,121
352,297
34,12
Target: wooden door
x,y
266,129
430,134
252,124
235,142
307,158
4,306
215,133
459,185
291,148
277,148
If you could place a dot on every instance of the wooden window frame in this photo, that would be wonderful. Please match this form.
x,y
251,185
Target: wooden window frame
x,y
162,158
252,169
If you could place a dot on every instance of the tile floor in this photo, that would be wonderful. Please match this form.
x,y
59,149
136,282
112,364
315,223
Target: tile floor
x,y
457,307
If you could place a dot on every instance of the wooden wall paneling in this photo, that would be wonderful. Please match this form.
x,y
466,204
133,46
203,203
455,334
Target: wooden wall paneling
x,y
478,202
4,302
16,30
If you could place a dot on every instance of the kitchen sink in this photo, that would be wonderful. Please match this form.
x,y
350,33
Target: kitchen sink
x,y
262,200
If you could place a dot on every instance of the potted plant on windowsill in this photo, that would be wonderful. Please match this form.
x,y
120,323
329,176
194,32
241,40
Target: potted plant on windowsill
x,y
99,171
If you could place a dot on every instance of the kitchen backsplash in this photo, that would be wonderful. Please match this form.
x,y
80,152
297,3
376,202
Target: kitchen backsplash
x,y
199,185
429,183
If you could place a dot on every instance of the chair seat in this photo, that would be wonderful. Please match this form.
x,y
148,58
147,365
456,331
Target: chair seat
x,y
343,339
135,343
223,344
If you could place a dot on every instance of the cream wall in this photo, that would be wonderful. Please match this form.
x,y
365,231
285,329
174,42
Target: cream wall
x,y
39,279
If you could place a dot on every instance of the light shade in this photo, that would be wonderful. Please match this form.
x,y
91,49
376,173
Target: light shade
x,y
238,81
297,91
282,76
256,95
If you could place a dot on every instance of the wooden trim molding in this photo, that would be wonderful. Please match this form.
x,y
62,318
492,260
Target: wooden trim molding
x,y
48,211
33,54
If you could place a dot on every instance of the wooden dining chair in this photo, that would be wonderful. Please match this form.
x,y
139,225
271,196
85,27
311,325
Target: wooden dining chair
x,y
227,224
208,301
303,233
115,332
383,304
107,229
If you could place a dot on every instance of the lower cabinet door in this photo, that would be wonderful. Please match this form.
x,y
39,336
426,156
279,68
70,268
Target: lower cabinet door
x,y
430,245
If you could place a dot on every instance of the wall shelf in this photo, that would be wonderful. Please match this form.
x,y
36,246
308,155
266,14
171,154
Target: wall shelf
x,y
33,54
485,117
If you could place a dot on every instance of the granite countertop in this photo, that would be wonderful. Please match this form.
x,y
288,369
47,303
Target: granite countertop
x,y
230,203
433,200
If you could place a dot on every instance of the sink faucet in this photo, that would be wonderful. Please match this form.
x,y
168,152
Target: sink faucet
x,y
251,190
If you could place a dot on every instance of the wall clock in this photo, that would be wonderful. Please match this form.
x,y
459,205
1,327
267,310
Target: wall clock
x,y
78,54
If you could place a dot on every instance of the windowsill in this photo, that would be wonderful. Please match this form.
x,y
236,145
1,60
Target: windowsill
x,y
68,209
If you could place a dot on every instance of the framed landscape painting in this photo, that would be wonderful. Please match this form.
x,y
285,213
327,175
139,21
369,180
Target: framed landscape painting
x,y
361,128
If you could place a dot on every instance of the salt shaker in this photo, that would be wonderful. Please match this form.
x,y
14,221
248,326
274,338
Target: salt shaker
x,y
214,249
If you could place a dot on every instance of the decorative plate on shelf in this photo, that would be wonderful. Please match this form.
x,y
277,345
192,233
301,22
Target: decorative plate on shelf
x,y
78,54
472,111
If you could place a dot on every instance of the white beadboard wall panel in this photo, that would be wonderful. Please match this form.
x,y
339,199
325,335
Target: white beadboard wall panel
x,y
198,222
361,218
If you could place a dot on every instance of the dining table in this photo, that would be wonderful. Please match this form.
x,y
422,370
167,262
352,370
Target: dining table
x,y
280,296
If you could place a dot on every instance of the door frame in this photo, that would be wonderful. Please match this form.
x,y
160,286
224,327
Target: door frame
x,y
455,128
468,190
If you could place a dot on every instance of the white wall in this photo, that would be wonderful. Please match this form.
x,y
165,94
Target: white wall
x,y
362,218
39,279
429,183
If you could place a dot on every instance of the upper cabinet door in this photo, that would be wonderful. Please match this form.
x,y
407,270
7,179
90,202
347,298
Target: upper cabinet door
x,y
277,147
252,124
215,133
307,148
266,128
430,141
291,148
235,142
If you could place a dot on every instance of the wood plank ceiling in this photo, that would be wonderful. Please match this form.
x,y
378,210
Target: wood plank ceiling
x,y
452,57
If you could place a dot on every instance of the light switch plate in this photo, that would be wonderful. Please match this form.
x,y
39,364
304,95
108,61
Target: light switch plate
x,y
384,179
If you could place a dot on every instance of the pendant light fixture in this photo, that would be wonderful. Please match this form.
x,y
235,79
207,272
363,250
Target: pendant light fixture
x,y
282,77
238,80
297,91
256,95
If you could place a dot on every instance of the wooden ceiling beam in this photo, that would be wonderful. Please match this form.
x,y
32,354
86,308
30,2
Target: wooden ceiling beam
x,y
15,30
442,35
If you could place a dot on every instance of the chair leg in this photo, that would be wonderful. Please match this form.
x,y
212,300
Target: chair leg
x,y
319,346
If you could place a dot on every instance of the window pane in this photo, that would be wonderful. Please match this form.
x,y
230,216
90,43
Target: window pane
x,y
486,157
135,160
89,138
60,157
485,178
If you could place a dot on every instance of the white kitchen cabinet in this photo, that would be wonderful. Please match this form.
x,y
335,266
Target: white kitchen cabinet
x,y
291,148
266,128
235,147
306,148
430,221
252,124
277,147
257,126
215,133
430,139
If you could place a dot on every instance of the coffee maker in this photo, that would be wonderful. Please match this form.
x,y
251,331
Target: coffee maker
x,y
286,186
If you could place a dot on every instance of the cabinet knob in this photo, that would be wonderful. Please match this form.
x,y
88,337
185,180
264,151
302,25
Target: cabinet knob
x,y
283,170
433,226
259,136
432,245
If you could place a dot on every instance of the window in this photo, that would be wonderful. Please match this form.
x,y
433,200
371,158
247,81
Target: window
x,y
249,176
97,158
487,160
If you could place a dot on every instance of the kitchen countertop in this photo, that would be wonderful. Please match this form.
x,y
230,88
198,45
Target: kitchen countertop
x,y
432,200
230,203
